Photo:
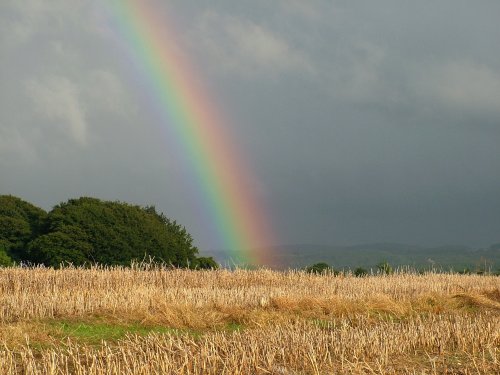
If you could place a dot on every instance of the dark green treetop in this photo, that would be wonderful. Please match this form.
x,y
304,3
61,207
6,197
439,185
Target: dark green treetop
x,y
88,230
20,222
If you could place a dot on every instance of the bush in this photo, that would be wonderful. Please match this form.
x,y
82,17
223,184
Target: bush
x,y
321,268
5,260
360,272
385,268
205,263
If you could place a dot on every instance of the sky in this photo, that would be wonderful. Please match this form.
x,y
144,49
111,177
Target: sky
x,y
362,121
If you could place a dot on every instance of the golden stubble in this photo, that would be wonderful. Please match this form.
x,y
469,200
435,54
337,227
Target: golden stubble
x,y
282,322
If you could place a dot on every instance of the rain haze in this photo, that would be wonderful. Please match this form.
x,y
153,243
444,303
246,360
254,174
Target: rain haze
x,y
362,121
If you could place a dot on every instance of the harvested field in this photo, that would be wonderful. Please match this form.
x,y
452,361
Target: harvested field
x,y
152,320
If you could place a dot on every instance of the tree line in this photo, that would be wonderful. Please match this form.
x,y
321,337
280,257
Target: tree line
x,y
385,268
87,231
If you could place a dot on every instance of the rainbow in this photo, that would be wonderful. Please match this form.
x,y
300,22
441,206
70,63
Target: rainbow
x,y
217,167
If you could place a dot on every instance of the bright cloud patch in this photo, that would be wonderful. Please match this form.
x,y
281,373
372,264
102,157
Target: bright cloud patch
x,y
465,85
248,47
57,98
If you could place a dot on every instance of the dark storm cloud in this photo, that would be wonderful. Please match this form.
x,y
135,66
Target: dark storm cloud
x,y
364,121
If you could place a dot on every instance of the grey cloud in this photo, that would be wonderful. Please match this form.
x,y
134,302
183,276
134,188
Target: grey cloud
x,y
15,144
363,121
107,93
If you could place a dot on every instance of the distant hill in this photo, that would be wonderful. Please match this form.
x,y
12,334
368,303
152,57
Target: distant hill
x,y
369,255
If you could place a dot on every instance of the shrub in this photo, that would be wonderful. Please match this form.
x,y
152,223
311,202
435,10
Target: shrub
x,y
321,268
205,263
360,272
385,268
5,260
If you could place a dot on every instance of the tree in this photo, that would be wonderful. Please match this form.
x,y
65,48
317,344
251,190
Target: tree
x,y
14,232
57,248
14,207
320,268
88,230
20,222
